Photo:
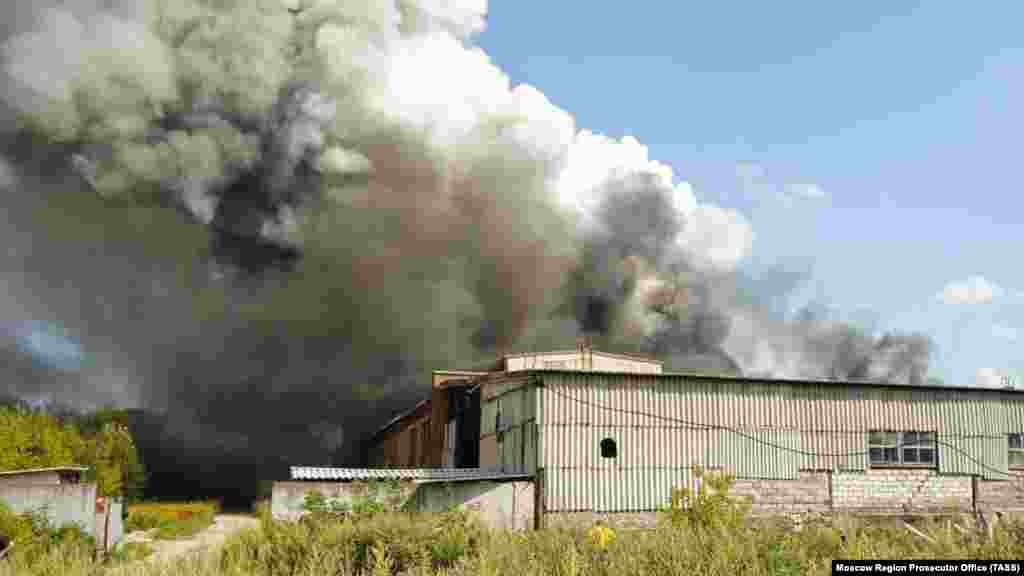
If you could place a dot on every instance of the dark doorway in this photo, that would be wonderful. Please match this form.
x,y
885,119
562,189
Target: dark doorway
x,y
467,426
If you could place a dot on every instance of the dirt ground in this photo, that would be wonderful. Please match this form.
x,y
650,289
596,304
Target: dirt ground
x,y
223,526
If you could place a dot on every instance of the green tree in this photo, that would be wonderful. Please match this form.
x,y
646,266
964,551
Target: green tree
x,y
106,447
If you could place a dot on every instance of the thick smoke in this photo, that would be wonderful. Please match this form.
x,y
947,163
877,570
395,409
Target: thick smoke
x,y
637,285
268,219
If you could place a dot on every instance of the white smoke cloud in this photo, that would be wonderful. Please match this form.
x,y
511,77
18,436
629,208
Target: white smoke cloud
x,y
970,292
714,237
338,160
395,90
92,53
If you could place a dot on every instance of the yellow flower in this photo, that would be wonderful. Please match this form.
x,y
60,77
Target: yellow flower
x,y
601,536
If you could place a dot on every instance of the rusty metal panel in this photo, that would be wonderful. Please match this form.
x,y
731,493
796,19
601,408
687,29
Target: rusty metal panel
x,y
489,455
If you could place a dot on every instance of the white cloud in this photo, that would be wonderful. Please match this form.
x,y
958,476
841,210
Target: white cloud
x,y
809,191
1005,332
993,377
972,291
754,181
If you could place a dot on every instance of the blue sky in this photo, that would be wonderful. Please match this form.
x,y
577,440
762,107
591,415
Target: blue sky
x,y
905,116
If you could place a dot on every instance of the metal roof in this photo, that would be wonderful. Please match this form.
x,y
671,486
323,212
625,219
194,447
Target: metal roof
x,y
418,475
42,470
753,379
402,416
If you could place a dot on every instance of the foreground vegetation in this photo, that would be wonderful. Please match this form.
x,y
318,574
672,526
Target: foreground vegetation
x,y
706,533
172,520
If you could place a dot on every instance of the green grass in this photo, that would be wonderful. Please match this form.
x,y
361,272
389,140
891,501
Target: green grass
x,y
711,535
179,529
131,552
172,520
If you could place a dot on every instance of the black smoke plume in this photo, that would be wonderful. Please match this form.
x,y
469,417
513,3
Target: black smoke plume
x,y
264,223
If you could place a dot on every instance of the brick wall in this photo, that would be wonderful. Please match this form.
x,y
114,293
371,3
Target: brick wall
x,y
1002,495
890,491
288,497
808,493
900,490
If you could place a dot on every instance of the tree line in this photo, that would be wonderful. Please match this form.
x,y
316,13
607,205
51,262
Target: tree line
x,y
45,437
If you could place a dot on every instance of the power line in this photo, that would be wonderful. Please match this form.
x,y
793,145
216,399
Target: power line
x,y
704,426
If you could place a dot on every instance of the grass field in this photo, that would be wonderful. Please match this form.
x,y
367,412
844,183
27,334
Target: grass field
x,y
171,520
712,535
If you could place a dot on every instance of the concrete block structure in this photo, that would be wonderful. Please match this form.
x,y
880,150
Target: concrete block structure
x,y
500,501
62,495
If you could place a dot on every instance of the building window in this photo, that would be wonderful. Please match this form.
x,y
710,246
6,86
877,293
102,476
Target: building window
x,y
908,448
1016,455
608,448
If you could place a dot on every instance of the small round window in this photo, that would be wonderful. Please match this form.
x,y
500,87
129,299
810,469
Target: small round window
x,y
608,448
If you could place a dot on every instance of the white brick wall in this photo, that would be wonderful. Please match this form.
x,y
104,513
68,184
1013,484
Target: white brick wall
x,y
900,490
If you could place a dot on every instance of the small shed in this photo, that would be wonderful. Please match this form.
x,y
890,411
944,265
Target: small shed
x,y
48,476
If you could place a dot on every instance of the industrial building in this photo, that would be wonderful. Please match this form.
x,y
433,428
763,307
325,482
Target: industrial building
x,y
606,434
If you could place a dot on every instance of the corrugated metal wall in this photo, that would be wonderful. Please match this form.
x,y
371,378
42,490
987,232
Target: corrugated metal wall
x,y
515,451
663,426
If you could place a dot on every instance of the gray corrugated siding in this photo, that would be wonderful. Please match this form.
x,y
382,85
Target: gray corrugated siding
x,y
757,453
975,434
517,449
665,425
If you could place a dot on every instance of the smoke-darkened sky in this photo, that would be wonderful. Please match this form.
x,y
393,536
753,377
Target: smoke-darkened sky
x,y
271,223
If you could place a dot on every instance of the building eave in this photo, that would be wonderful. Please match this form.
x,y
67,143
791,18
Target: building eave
x,y
766,380
79,469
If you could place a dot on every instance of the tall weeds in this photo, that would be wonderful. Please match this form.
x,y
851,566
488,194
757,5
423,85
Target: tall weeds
x,y
704,532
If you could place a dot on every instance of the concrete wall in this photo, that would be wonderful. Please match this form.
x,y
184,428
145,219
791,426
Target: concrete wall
x,y
808,493
287,497
1004,496
65,503
901,490
499,505
877,491
109,524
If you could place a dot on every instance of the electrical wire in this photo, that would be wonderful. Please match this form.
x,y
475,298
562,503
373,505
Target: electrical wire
x,y
704,426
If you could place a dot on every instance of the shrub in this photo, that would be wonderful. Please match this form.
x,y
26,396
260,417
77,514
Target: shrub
x,y
172,520
35,537
130,552
142,520
710,507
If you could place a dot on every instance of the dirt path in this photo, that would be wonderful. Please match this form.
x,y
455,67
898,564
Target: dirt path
x,y
224,525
